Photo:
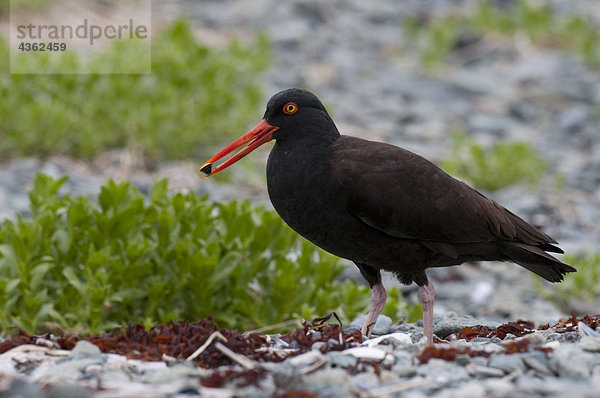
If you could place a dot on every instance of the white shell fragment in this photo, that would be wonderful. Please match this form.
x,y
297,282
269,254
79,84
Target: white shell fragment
x,y
401,338
369,353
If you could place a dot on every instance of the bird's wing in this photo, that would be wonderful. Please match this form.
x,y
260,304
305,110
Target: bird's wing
x,y
406,196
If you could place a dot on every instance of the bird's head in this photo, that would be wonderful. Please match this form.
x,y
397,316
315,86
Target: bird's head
x,y
289,113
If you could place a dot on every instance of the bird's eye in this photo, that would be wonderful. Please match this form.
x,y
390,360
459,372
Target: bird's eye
x,y
290,108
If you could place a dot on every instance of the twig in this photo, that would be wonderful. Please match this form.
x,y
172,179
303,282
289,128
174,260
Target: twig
x,y
314,366
387,390
204,346
242,360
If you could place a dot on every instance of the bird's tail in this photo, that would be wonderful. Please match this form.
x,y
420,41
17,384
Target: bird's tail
x,y
536,260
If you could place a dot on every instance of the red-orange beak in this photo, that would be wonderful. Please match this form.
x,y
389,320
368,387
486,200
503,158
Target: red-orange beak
x,y
261,133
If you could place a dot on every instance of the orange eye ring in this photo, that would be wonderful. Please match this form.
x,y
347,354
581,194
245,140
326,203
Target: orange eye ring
x,y
290,108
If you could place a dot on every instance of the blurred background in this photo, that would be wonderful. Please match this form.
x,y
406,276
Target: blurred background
x,y
504,94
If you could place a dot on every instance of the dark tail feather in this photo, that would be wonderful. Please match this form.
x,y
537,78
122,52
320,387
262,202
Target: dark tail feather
x,y
536,260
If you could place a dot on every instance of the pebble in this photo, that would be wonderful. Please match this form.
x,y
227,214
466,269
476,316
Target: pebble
x,y
382,326
85,348
445,327
507,363
571,361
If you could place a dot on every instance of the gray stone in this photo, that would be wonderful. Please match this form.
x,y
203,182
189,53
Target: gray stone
x,y
67,391
591,344
330,381
403,357
382,326
20,388
113,379
507,363
443,370
317,346
181,370
83,348
342,360
404,370
571,361
538,361
462,360
481,371
471,389
365,380
71,368
447,326
308,358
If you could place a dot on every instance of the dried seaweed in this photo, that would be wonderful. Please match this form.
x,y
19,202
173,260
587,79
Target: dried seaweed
x,y
518,329
180,339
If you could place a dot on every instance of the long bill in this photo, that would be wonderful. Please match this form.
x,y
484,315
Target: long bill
x,y
258,135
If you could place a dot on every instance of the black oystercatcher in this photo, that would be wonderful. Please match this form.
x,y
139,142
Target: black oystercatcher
x,y
381,206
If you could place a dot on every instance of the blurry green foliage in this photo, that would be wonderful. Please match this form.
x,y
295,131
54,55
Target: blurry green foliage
x,y
583,285
194,95
541,24
91,267
397,308
495,168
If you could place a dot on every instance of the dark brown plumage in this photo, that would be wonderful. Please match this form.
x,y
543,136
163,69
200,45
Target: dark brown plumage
x,y
381,206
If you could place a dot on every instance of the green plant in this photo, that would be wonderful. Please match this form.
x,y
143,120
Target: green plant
x,y
397,308
194,96
583,285
127,259
541,24
495,168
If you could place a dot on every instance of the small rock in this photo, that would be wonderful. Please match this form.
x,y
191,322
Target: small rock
x,y
341,360
317,346
541,366
507,363
67,391
569,360
443,371
483,371
404,371
365,380
305,359
367,353
403,358
587,331
445,327
19,388
181,370
83,348
382,326
113,379
330,382
591,344
471,389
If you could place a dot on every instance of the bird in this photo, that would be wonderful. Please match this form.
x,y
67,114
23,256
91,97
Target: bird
x,y
381,206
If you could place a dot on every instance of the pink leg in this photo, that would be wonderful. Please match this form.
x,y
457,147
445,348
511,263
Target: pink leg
x,y
426,295
378,297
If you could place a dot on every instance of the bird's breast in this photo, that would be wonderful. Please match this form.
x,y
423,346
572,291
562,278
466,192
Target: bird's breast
x,y
300,189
